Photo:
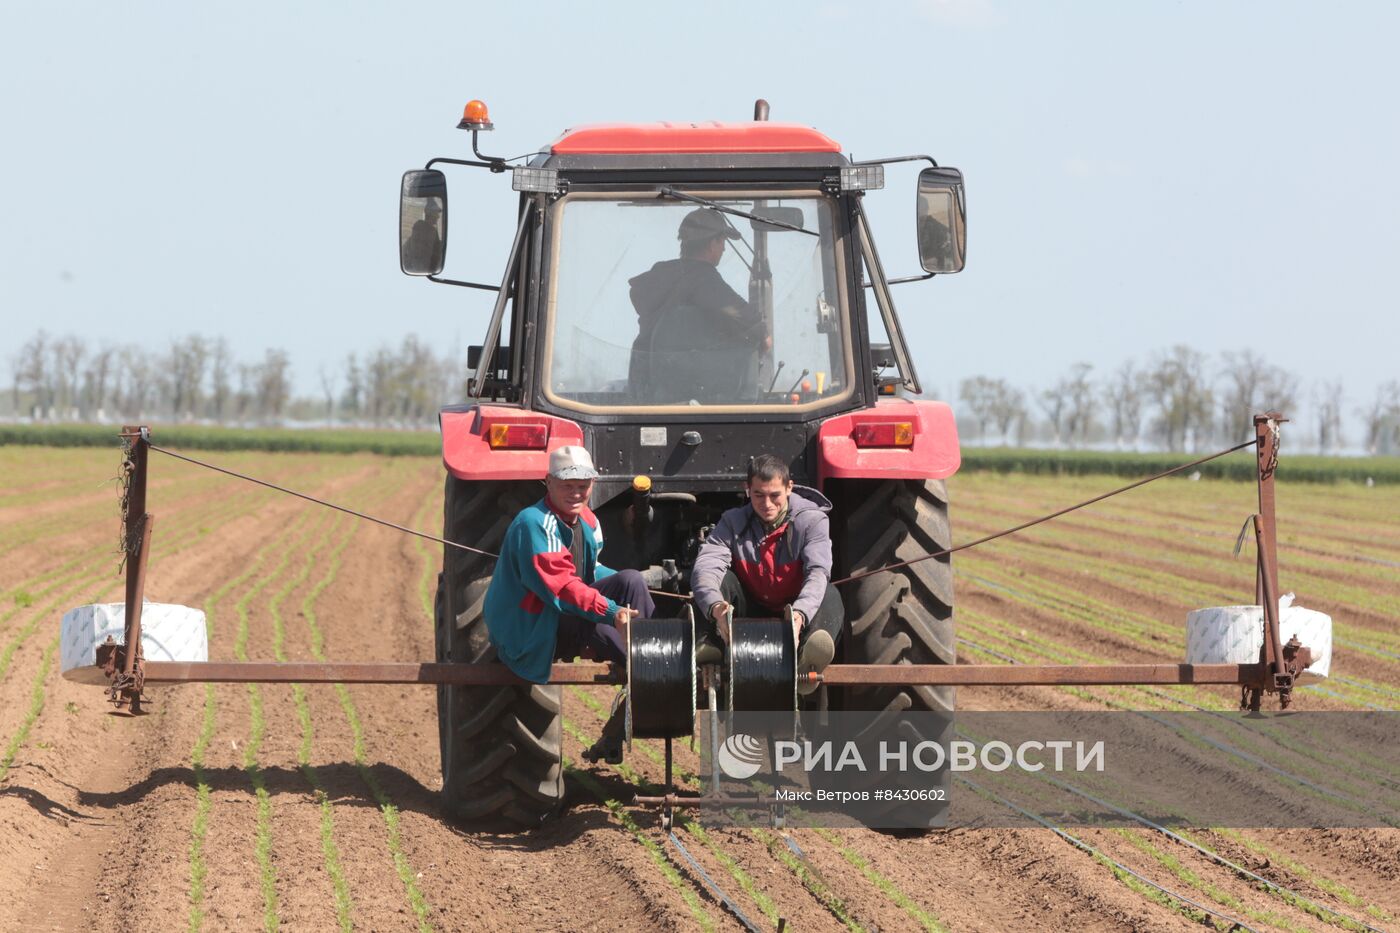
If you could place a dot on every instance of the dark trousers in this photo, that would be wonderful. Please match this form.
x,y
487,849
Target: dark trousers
x,y
830,616
580,637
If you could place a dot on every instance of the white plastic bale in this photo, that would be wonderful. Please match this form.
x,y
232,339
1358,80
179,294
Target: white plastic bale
x,y
169,632
1235,635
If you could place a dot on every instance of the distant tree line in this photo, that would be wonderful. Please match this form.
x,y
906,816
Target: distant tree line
x,y
1179,399
198,379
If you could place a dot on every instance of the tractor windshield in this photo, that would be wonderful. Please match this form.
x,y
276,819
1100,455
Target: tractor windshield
x,y
655,301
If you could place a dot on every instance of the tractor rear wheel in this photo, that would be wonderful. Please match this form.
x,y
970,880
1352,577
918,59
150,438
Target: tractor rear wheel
x,y
902,616
501,746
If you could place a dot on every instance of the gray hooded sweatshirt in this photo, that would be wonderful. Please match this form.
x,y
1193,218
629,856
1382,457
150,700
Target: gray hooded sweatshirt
x,y
790,565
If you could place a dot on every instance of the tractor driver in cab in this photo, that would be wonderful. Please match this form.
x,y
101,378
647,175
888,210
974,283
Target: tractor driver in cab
x,y
550,599
696,338
773,552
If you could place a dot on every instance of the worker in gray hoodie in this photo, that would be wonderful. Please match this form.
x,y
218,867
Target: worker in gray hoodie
x,y
773,552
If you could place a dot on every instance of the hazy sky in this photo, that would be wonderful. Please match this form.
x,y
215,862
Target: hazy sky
x,y
1139,174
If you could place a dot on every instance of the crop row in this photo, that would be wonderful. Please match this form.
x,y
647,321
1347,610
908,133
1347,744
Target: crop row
x,y
311,538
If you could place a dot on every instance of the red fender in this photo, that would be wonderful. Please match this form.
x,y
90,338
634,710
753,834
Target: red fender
x,y
468,455
935,453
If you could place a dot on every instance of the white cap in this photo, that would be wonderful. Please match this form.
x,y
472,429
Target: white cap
x,y
571,463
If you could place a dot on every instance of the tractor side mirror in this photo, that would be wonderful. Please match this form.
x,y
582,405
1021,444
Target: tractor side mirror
x,y
790,216
942,220
422,222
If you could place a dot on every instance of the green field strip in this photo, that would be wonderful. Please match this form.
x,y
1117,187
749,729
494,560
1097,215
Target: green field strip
x,y
330,852
1259,882
1170,558
199,870
417,902
886,887
37,695
1333,887
658,857
1191,521
428,575
90,577
740,877
1130,698
257,729
1185,875
684,777
1173,549
1121,873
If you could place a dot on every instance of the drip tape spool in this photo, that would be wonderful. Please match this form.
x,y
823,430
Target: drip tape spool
x,y
762,666
661,678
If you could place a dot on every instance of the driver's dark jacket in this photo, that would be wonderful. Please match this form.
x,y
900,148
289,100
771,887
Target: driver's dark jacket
x,y
691,283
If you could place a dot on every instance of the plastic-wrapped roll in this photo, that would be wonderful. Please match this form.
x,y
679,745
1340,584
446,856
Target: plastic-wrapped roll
x,y
1235,635
660,678
762,666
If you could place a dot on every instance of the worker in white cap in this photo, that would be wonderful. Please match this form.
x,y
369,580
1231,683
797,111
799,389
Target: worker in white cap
x,y
550,599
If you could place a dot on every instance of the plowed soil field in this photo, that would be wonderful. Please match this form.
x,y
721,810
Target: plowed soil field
x,y
237,807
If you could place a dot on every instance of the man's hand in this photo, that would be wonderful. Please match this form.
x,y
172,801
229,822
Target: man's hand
x,y
799,622
620,621
719,612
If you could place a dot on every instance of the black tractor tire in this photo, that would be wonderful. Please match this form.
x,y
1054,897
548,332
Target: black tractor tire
x,y
902,616
501,746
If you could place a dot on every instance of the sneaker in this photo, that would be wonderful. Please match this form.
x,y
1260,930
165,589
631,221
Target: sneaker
x,y
709,651
607,749
813,657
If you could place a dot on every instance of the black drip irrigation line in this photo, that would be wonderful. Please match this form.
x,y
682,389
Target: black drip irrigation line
x,y
853,577
1080,844
1218,859
709,883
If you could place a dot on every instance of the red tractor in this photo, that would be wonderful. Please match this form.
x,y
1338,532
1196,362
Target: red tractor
x,y
672,406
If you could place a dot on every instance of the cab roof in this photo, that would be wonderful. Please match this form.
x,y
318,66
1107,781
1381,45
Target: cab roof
x,y
697,138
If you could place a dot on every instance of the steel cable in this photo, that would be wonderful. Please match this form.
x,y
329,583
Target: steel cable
x,y
1045,518
848,579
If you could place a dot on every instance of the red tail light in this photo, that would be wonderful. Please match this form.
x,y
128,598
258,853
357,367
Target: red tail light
x,y
887,434
518,436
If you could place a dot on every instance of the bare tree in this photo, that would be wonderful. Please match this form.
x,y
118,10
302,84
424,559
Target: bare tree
x,y
96,382
1008,407
352,400
1182,394
65,362
1054,401
1081,403
977,396
273,384
1252,384
220,372
1327,398
1381,418
328,383
1124,395
31,375
185,374
137,382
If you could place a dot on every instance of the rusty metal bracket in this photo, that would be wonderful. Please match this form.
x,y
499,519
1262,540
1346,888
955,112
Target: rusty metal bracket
x,y
123,665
